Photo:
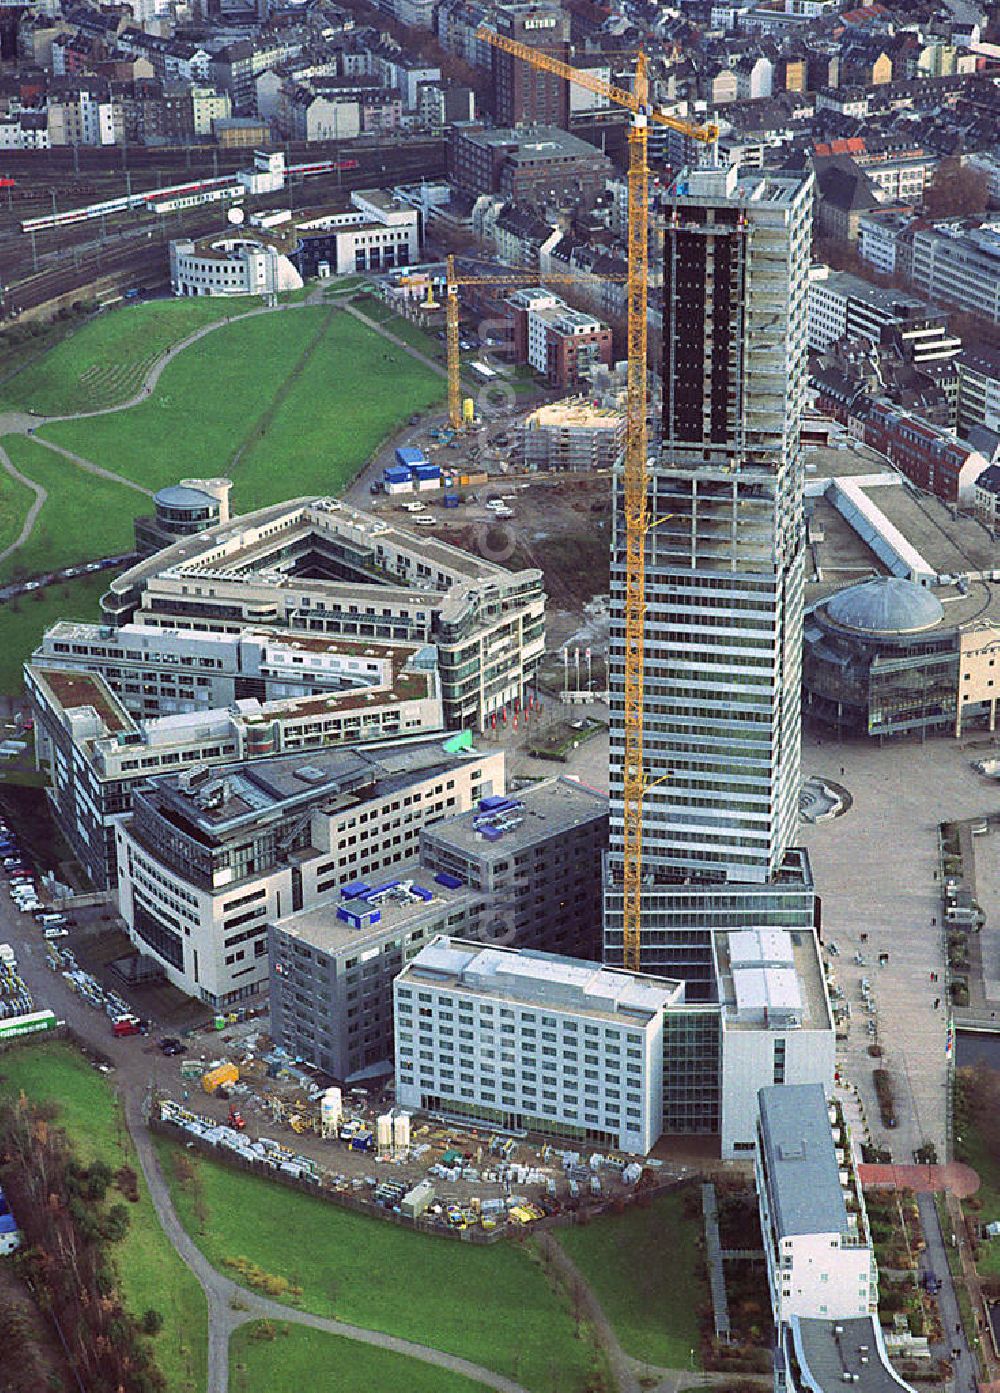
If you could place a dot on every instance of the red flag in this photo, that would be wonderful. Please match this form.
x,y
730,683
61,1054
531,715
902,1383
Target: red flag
x,y
515,720
503,714
493,720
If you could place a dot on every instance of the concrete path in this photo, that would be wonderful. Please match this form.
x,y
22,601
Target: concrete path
x,y
31,517
231,1305
397,341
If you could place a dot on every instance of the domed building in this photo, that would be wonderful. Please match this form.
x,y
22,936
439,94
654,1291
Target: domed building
x,y
882,658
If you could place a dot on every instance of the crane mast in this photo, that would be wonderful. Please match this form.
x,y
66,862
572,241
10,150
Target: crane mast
x,y
634,480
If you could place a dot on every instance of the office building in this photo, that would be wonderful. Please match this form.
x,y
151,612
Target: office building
x,y
724,581
817,1243
525,96
322,572
533,1040
207,858
978,389
540,165
181,510
230,263
776,1025
536,856
958,263
842,305
333,966
522,870
96,746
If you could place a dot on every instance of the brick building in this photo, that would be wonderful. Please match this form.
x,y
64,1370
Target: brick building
x,y
537,165
558,341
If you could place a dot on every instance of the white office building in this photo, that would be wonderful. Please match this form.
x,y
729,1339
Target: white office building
x,y
209,857
533,1040
820,1259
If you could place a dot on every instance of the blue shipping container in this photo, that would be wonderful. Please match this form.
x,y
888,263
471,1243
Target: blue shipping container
x,y
409,455
393,474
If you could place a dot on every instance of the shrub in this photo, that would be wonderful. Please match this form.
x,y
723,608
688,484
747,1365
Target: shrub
x,y
152,1322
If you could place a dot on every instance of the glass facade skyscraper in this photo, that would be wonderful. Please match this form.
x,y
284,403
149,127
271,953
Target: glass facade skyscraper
x,y
724,580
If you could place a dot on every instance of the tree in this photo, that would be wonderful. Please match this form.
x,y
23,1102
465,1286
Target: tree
x,y
114,1225
956,190
152,1322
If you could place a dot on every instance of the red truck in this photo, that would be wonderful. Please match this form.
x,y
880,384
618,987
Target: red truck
x,y
126,1025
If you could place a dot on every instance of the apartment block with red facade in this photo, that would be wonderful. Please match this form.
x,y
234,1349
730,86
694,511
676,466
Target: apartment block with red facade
x,y
929,456
556,340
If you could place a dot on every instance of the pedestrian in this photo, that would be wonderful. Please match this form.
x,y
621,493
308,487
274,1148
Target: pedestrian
x,y
841,769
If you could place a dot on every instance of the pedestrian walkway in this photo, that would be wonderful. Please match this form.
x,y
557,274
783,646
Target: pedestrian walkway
x,y
955,1178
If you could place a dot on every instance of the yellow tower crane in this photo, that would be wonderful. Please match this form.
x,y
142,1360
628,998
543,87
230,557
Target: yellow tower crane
x,y
452,282
635,101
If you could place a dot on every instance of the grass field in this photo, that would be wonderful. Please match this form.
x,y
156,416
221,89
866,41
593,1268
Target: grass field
x,y
15,500
291,408
652,1302
299,1358
26,619
152,1275
491,1305
83,517
104,361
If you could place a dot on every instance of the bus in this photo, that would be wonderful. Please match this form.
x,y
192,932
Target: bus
x,y
30,1024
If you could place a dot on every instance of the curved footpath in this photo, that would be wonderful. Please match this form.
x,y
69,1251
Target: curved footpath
x,y
31,517
231,1305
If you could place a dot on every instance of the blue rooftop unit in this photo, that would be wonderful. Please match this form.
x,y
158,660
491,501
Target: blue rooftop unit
x,y
8,1224
421,892
355,888
359,916
450,882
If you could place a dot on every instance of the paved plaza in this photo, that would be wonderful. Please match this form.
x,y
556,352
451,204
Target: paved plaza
x,y
875,872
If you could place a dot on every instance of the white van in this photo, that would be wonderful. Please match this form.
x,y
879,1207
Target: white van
x,y
424,520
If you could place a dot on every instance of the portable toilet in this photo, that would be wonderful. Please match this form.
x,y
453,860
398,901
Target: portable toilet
x,y
468,411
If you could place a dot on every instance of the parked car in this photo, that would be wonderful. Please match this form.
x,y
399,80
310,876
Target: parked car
x,y
170,1045
126,1025
50,919
55,933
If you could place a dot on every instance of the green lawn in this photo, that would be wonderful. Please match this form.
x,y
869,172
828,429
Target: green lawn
x,y
647,1273
83,517
26,619
287,403
492,1305
104,361
152,1275
972,1148
298,1358
15,500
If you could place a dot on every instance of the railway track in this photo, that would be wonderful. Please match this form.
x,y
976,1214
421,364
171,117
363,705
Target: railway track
x,y
64,259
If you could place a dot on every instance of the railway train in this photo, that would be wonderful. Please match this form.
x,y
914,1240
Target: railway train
x,y
171,199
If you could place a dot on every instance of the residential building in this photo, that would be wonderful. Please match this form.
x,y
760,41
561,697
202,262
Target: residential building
x,y
817,1242
986,498
318,569
533,1040
821,1356
208,858
559,342
930,456
526,96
